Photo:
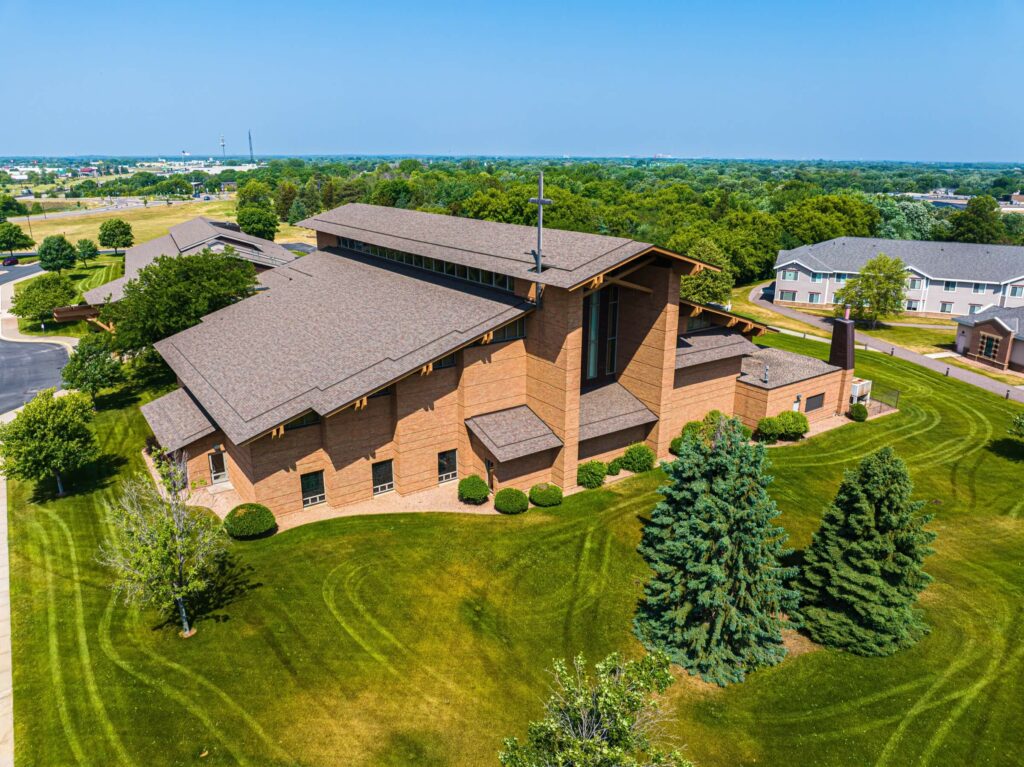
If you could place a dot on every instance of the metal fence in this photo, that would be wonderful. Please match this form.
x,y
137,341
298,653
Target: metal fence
x,y
885,395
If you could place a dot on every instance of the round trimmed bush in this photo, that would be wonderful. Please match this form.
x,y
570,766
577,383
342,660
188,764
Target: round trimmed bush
x,y
545,494
250,520
591,474
510,500
792,424
614,466
858,412
768,429
676,445
473,489
638,458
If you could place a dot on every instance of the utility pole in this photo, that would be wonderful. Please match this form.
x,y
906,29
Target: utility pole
x,y
252,157
223,154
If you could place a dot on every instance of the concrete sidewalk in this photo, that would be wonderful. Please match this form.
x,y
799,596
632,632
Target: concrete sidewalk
x,y
974,379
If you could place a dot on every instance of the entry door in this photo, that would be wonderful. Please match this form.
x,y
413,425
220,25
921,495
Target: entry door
x,y
218,468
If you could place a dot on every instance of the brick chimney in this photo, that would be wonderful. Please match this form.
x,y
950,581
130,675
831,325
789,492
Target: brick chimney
x,y
841,355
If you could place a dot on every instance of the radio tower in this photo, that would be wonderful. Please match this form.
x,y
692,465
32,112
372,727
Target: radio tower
x,y
252,157
222,150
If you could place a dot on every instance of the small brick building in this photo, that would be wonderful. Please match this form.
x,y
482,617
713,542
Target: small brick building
x,y
412,349
994,337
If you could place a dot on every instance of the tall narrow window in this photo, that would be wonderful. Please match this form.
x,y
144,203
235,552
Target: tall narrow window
x,y
611,345
593,309
447,466
383,477
218,468
312,488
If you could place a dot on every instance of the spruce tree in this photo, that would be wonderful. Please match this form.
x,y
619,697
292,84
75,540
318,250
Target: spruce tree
x,y
715,598
864,567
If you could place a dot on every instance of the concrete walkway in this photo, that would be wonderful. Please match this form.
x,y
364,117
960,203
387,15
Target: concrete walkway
x,y
974,379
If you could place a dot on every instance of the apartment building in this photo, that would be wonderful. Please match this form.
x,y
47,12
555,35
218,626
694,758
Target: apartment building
x,y
943,278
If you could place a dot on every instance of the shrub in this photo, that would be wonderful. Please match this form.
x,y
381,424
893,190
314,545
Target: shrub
x,y
638,458
250,520
858,412
591,474
769,429
614,467
545,494
473,489
792,424
509,500
675,445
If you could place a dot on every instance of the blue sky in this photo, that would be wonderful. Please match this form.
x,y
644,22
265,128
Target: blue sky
x,y
936,80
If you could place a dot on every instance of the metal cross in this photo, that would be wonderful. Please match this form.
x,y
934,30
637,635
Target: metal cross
x,y
540,202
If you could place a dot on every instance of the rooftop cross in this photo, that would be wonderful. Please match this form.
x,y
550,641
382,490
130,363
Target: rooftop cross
x,y
540,202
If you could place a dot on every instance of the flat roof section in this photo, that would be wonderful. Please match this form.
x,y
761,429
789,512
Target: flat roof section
x,y
784,368
176,420
611,408
711,344
513,433
330,330
570,258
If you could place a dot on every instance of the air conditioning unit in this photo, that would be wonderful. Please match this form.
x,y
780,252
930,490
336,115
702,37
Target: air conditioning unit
x,y
860,390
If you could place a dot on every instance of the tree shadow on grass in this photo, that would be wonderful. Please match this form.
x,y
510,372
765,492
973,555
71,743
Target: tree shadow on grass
x,y
228,582
116,399
95,475
1006,447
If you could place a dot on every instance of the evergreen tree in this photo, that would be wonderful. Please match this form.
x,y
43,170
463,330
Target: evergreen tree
x,y
715,598
283,199
310,196
863,569
297,212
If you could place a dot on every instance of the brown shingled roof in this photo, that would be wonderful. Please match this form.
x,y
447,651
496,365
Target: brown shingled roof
x,y
330,330
784,368
513,433
570,258
609,409
176,420
710,345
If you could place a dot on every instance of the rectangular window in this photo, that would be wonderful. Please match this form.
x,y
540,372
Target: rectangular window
x,y
383,477
814,298
309,419
445,362
949,286
700,322
447,466
511,331
816,402
841,278
312,488
218,468
611,343
1016,291
979,287
974,309
592,309
817,277
914,283
946,307
988,346
912,305
787,295
789,275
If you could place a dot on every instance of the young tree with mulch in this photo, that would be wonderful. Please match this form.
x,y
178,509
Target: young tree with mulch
x,y
716,596
605,722
864,568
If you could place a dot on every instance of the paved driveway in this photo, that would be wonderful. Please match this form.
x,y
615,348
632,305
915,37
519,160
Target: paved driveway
x,y
26,369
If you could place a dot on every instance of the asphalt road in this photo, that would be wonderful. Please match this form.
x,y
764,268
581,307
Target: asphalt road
x,y
26,368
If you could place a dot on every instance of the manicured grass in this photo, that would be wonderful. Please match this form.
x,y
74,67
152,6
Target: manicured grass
x,y
917,339
152,221
742,305
99,271
423,639
1006,376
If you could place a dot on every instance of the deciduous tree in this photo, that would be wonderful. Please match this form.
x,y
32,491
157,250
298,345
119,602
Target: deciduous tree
x,y
259,222
876,292
255,194
56,253
1017,426
40,296
13,238
86,251
716,595
707,286
284,197
864,568
605,722
49,437
92,366
116,233
981,221
310,196
163,552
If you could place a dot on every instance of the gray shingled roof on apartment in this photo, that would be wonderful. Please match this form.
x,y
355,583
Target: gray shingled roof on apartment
x,y
1012,318
570,258
784,368
611,408
330,330
961,261
176,420
185,239
512,433
714,343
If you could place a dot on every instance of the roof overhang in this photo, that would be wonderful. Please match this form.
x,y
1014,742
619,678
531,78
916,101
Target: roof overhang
x,y
595,280
733,320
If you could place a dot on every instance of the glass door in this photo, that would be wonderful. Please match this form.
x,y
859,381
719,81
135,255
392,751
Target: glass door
x,y
218,468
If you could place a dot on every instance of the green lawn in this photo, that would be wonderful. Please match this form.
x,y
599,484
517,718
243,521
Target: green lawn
x,y
423,639
917,339
100,271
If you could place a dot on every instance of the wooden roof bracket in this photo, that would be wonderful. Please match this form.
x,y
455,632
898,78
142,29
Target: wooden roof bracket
x,y
487,337
427,369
